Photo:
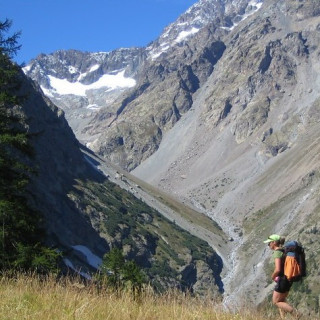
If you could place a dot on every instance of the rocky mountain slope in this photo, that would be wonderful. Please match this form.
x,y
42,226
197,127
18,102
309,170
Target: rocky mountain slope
x,y
81,82
246,153
97,90
178,64
226,120
86,213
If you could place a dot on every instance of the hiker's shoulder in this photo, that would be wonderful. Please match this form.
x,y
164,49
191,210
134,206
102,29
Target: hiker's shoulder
x,y
277,254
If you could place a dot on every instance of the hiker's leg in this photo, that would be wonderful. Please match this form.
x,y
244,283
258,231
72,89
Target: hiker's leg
x,y
279,299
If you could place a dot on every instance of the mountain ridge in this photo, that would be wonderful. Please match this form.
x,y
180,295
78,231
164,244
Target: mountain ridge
x,y
68,65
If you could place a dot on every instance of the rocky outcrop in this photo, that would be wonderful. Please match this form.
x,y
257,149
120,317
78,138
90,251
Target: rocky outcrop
x,y
175,70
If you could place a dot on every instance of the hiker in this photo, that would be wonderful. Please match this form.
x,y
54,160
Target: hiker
x,y
283,285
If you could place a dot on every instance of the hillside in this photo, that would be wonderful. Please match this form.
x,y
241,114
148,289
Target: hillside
x,y
85,214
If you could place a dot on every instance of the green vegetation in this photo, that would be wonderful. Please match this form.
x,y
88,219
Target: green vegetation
x,y
157,245
119,274
21,235
181,209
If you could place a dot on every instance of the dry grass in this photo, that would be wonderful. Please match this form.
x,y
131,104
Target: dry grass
x,y
28,297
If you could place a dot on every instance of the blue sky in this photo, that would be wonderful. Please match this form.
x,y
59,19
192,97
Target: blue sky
x,y
87,25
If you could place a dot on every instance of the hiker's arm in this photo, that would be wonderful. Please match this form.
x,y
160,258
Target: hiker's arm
x,y
277,268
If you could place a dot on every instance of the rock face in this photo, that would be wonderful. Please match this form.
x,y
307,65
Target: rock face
x,y
81,83
174,70
225,116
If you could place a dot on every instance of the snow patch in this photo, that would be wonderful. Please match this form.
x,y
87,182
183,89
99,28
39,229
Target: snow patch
x,y
93,107
94,68
92,259
255,4
72,69
158,54
70,265
185,34
64,87
26,68
182,23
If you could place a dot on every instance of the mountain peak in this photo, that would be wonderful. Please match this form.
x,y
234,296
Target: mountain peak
x,y
225,14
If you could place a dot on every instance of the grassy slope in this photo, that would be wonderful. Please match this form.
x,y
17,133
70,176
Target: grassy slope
x,y
27,297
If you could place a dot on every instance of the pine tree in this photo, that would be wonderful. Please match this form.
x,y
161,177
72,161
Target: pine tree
x,y
20,226
112,265
121,273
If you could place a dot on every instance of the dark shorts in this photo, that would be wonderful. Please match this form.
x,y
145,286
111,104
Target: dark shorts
x,y
283,285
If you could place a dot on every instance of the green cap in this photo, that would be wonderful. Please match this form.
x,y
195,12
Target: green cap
x,y
273,237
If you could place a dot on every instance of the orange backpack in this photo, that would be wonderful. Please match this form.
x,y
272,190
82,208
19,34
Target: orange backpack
x,y
294,263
